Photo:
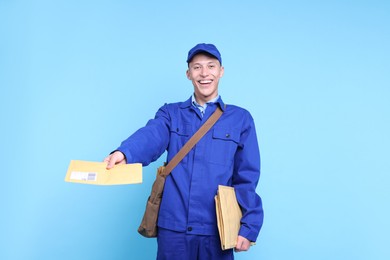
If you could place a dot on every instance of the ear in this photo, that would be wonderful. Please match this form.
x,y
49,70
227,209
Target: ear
x,y
188,74
221,72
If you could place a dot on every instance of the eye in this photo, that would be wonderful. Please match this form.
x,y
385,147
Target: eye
x,y
211,66
196,67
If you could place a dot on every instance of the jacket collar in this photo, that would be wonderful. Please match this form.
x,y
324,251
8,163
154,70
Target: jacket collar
x,y
188,103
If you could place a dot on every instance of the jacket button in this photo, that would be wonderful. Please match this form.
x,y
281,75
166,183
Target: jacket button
x,y
227,135
189,228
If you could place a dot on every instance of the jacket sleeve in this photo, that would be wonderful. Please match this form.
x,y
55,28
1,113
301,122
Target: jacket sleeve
x,y
149,142
246,175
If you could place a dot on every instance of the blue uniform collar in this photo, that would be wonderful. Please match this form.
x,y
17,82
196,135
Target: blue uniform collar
x,y
188,103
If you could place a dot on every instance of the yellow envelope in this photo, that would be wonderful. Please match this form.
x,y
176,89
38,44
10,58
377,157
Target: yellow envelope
x,y
228,216
96,173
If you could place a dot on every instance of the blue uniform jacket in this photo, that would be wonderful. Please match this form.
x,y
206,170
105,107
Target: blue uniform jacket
x,y
227,155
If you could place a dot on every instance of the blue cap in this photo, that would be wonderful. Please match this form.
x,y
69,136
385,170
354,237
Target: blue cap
x,y
204,47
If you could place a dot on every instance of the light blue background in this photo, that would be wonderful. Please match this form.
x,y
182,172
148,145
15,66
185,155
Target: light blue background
x,y
77,77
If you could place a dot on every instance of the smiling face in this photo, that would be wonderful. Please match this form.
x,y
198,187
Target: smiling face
x,y
204,71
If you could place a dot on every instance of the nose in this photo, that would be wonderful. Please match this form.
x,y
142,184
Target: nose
x,y
204,72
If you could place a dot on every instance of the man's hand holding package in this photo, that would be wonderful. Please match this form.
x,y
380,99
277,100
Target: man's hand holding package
x,y
243,244
116,157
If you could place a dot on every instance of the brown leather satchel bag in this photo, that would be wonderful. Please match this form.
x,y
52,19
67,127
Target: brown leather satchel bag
x,y
148,227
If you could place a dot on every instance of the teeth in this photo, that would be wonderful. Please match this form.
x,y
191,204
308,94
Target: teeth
x,y
205,81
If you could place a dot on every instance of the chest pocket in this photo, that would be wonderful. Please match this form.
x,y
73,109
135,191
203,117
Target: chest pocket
x,y
224,145
179,135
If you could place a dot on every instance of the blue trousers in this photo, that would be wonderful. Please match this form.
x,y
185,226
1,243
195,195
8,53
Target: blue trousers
x,y
174,245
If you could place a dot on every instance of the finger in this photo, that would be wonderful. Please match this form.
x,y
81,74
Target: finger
x,y
108,167
110,161
238,246
245,246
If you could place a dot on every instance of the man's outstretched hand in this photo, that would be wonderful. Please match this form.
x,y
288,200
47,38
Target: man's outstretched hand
x,y
116,157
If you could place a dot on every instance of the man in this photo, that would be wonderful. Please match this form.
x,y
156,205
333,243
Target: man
x,y
227,155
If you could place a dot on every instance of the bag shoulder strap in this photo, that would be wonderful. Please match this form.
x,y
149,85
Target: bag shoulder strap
x,y
193,140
